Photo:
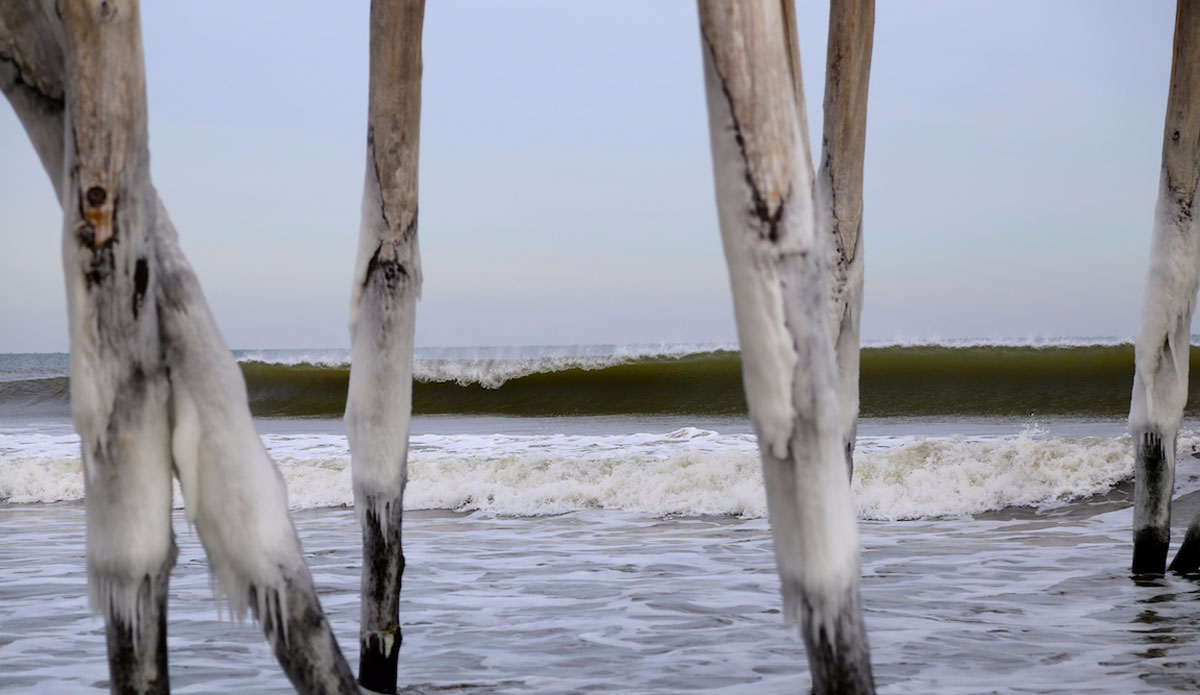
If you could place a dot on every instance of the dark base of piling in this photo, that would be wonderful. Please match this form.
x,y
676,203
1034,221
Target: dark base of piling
x,y
1149,551
838,656
137,663
1187,560
303,642
379,662
383,569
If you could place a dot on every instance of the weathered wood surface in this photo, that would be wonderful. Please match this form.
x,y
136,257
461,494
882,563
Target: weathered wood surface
x,y
32,69
765,205
387,283
1164,340
119,389
153,386
839,189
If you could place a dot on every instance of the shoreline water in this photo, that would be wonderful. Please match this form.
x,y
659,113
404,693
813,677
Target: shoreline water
x,y
629,553
596,601
659,466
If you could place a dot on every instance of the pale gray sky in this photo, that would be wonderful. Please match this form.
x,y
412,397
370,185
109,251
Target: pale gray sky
x,y
566,189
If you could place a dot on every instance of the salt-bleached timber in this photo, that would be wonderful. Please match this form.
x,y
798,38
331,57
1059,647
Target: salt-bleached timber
x,y
386,285
763,176
1160,385
153,387
839,189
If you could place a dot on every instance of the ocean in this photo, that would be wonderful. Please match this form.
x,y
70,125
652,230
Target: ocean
x,y
592,519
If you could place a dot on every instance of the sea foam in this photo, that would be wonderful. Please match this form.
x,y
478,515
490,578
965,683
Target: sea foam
x,y
688,472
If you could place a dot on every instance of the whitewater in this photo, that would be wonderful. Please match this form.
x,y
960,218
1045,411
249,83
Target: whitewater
x,y
686,472
628,551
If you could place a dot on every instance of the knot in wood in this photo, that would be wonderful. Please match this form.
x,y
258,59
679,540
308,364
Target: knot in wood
x,y
96,196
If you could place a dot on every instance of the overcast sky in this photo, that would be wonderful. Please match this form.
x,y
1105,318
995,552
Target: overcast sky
x,y
1013,154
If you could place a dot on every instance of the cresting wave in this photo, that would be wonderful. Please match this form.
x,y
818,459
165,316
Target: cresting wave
x,y
688,472
963,378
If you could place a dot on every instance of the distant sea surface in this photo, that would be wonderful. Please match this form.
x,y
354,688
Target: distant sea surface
x,y
592,518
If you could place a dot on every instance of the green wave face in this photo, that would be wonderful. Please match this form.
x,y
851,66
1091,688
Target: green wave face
x,y
1088,381
1091,381
706,383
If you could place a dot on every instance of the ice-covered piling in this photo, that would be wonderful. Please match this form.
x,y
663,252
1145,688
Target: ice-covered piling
x,y
777,268
839,191
1160,384
152,384
387,283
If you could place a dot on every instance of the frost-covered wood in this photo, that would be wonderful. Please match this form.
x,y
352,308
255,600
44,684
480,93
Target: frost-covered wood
x,y
777,272
387,283
119,389
839,189
232,491
152,384
1163,344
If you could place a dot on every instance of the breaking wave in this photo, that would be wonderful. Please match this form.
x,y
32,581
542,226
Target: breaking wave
x,y
687,472
899,379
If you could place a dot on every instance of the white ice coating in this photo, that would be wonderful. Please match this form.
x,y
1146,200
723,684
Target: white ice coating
x,y
234,494
1163,343
794,406
120,413
813,522
382,322
846,309
121,397
129,518
1163,347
